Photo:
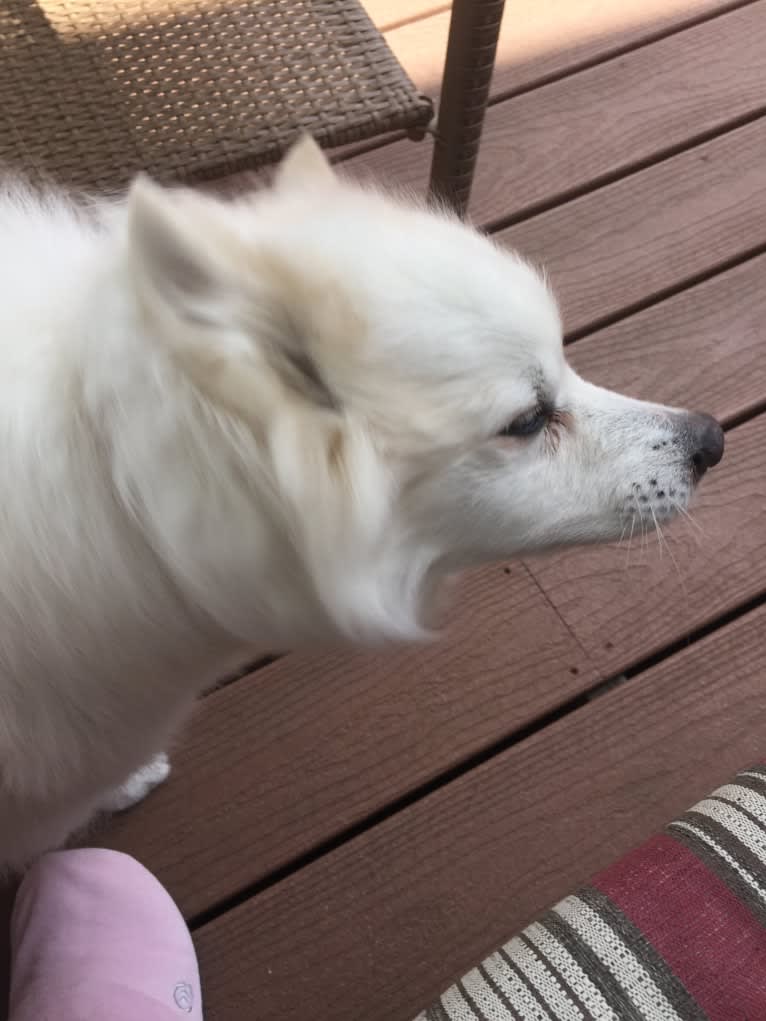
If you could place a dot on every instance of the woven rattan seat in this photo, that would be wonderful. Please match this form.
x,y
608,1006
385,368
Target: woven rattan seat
x,y
93,91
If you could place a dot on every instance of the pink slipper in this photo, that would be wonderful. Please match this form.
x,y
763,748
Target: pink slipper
x,y
95,937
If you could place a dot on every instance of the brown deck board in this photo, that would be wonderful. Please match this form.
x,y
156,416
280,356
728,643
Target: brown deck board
x,y
623,112
620,616
279,762
386,13
704,346
602,120
378,927
653,231
539,39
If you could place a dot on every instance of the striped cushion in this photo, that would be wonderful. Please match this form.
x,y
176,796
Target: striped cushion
x,y
674,931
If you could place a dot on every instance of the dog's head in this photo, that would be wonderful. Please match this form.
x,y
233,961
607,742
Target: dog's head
x,y
405,382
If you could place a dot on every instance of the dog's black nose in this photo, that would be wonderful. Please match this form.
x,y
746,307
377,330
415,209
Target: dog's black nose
x,y
705,443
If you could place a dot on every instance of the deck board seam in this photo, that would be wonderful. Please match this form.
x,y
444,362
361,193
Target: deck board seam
x,y
584,698
554,76
623,173
552,606
620,51
665,293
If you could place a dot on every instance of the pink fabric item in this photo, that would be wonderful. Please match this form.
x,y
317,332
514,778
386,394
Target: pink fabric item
x,y
95,937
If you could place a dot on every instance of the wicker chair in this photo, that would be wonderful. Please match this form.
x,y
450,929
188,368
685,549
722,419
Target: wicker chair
x,y
92,91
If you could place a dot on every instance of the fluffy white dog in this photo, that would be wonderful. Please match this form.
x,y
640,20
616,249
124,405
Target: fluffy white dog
x,y
263,423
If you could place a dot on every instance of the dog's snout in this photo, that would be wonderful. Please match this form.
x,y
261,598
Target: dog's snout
x,y
706,442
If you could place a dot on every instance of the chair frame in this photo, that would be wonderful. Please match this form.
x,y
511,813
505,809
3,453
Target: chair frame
x,y
471,50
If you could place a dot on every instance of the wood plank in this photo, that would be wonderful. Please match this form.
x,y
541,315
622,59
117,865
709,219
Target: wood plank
x,y
377,928
540,39
385,13
649,100
703,348
717,564
651,231
275,764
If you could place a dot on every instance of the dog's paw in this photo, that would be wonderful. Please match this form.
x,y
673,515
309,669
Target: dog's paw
x,y
137,786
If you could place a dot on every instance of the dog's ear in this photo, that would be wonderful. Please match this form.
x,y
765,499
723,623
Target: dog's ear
x,y
226,309
304,167
177,251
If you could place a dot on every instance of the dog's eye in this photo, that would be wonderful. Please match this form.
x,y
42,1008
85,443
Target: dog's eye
x,y
528,424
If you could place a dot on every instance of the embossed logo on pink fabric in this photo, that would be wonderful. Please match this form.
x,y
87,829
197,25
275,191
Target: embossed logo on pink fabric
x,y
183,994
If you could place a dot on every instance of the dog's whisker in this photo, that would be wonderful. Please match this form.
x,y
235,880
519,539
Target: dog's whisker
x,y
622,534
692,521
640,517
678,571
662,541
630,541
658,530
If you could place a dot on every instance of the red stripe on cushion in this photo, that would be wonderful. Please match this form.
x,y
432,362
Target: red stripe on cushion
x,y
708,938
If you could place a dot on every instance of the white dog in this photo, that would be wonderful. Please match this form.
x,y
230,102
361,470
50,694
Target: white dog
x,y
263,423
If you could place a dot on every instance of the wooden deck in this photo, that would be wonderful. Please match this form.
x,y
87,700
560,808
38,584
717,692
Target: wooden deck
x,y
348,832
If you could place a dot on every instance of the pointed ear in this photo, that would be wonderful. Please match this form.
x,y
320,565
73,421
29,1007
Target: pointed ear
x,y
304,166
175,251
239,321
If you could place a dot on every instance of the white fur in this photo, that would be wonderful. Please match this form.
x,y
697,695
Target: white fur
x,y
252,425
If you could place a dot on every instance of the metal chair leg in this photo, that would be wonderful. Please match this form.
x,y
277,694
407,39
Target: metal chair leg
x,y
471,48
